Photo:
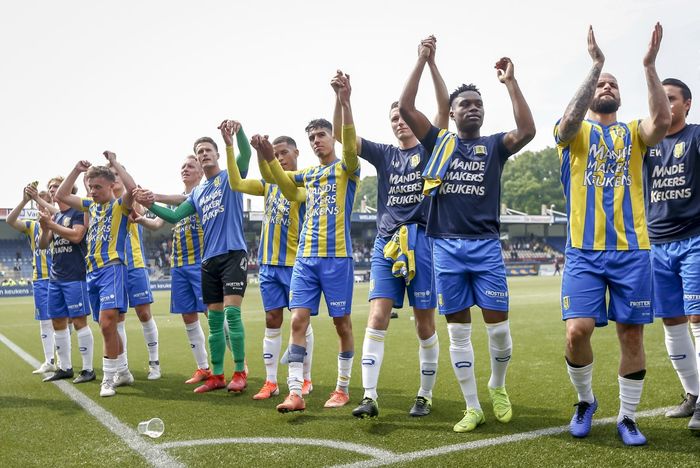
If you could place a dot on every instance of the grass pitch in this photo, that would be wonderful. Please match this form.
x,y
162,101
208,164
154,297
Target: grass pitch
x,y
40,425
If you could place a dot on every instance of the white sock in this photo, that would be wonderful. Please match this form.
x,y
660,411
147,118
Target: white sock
x,y
47,340
296,377
120,364
308,357
121,329
345,359
695,330
195,335
462,356
62,339
86,345
109,368
272,345
372,357
630,395
582,379
150,334
500,349
681,351
428,354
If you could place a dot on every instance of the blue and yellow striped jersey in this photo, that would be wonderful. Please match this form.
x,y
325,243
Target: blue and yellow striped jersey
x,y
135,253
41,258
188,242
107,233
330,193
279,238
601,171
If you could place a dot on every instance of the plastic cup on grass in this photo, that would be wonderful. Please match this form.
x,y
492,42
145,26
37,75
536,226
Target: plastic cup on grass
x,y
152,428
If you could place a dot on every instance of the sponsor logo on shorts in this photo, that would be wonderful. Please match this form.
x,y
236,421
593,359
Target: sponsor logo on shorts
x,y
492,293
75,306
234,284
107,298
141,294
691,297
422,293
640,304
565,302
338,303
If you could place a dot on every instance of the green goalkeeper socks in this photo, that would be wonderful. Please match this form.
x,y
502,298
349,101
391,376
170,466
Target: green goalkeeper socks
x,y
237,336
217,341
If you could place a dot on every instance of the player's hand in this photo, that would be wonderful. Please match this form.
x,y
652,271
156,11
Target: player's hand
x,y
341,86
427,48
30,192
110,156
226,132
263,147
654,44
593,49
143,196
44,218
505,71
83,166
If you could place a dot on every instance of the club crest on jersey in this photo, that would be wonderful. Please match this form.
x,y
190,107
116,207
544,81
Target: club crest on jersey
x,y
679,150
415,160
66,222
480,150
217,181
619,131
565,302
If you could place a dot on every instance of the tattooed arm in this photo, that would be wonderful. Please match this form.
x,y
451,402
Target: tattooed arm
x,y
576,110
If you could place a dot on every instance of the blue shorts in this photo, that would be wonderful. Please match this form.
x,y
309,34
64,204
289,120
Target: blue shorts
x,y
107,289
383,284
40,289
332,276
68,299
675,278
469,272
138,287
186,290
274,286
624,274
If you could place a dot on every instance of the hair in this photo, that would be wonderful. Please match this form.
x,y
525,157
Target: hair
x,y
318,123
463,88
284,139
59,179
100,171
201,140
44,195
394,105
685,91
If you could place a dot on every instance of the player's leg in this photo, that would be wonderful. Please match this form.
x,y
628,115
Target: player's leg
x,y
690,271
629,276
694,423
423,297
667,304
186,301
76,297
213,297
491,294
337,281
274,300
583,307
235,280
58,311
40,291
141,298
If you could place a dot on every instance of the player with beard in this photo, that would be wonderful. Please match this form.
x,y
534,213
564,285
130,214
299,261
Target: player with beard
x,y
607,243
401,207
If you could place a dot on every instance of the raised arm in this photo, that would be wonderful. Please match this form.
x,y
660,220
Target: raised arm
x,y
235,181
442,97
45,236
152,224
285,180
127,180
264,167
653,129
419,123
13,216
341,86
64,195
570,122
172,200
338,124
524,131
41,203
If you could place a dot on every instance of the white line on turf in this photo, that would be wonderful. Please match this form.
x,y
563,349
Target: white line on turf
x,y
334,444
153,454
483,443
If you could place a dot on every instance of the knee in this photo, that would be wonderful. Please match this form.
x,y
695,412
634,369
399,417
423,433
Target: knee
x,y
632,338
273,319
343,326
577,336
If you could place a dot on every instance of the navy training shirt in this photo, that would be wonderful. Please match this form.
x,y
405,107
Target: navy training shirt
x,y
672,186
467,202
68,258
400,198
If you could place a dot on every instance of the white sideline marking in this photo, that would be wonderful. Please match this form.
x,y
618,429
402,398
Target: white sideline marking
x,y
410,456
334,444
153,454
